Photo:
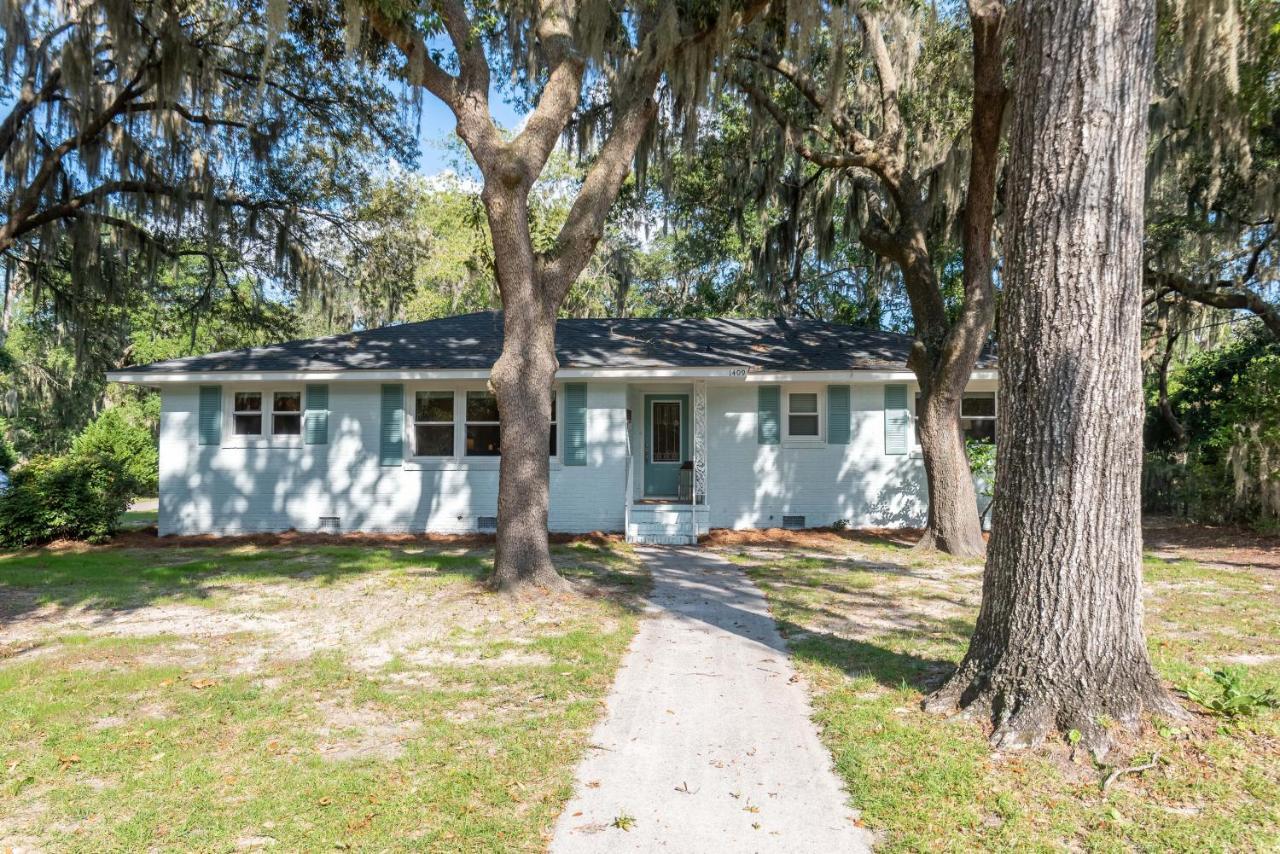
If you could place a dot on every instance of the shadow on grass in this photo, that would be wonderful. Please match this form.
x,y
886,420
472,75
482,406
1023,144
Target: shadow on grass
x,y
908,647
113,579
912,648
890,667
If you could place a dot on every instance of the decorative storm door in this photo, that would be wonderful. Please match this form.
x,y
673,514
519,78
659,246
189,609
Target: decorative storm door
x,y
666,444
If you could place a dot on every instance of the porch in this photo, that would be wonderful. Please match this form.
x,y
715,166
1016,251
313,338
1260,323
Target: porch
x,y
666,490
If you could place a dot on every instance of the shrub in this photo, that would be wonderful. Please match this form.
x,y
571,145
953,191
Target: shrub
x,y
126,433
73,496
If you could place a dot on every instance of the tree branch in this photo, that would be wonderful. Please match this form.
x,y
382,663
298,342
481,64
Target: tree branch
x,y
1224,294
422,69
887,76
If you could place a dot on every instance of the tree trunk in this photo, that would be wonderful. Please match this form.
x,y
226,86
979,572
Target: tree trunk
x,y
942,362
954,526
1059,641
522,380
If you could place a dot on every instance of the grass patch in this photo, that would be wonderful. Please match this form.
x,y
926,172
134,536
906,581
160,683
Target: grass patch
x,y
310,698
874,633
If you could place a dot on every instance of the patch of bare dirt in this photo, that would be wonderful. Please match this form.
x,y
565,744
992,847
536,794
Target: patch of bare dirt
x,y
814,538
1219,545
371,620
362,733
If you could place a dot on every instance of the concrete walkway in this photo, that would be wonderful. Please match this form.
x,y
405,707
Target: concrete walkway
x,y
707,745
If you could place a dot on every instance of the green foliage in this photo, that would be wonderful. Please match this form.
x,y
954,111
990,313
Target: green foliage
x,y
8,455
1231,699
81,494
126,434
1228,400
68,497
982,462
54,376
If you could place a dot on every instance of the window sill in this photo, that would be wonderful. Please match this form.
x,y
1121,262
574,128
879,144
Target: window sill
x,y
803,443
459,464
240,442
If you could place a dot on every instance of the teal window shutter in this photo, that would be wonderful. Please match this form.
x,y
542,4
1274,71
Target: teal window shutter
x,y
575,424
317,430
838,414
210,420
391,446
769,414
897,419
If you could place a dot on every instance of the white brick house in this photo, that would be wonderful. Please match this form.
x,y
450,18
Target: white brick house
x,y
663,428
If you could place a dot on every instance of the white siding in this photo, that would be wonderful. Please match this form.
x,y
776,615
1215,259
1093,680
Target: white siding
x,y
752,485
212,489
208,489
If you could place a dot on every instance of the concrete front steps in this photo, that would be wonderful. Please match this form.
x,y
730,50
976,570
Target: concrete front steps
x,y
666,524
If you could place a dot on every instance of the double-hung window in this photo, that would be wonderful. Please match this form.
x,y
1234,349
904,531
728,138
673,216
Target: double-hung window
x,y
266,413
977,416
286,413
553,424
433,424
247,413
435,417
803,420
483,431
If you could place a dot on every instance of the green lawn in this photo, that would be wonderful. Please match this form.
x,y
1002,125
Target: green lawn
x,y
872,627
309,697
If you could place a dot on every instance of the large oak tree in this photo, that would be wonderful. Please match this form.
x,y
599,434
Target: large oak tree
x,y
1059,642
589,68
900,151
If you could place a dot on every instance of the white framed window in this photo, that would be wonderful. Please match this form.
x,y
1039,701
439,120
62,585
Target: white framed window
x,y
262,416
461,422
802,415
246,413
977,416
286,413
433,419
554,423
482,430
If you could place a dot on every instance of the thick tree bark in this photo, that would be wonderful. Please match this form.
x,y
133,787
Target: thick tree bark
x,y
522,381
1059,641
954,526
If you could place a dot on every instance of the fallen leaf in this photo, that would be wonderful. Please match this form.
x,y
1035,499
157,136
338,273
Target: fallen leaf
x,y
201,684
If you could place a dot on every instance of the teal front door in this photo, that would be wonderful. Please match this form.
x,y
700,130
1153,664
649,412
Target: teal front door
x,y
666,443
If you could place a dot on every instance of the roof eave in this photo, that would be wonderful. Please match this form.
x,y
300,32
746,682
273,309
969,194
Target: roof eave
x,y
717,372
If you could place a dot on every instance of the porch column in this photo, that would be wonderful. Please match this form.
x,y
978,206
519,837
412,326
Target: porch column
x,y
700,441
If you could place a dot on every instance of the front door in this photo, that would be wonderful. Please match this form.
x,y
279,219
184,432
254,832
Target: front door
x,y
666,443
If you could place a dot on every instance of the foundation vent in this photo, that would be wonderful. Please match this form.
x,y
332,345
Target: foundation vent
x,y
793,523
330,524
487,523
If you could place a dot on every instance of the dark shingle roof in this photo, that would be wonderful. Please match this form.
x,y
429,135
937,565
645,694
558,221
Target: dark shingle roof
x,y
473,341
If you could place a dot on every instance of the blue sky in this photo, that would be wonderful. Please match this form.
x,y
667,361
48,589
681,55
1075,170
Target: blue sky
x,y
436,130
